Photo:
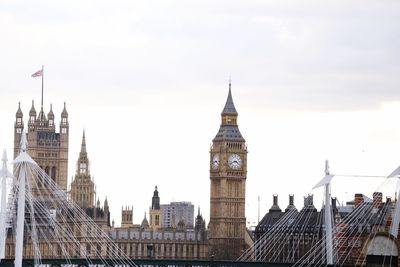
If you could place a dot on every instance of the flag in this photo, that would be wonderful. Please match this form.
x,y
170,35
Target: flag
x,y
39,73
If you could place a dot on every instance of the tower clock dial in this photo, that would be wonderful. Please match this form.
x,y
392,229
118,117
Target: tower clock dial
x,y
215,161
234,161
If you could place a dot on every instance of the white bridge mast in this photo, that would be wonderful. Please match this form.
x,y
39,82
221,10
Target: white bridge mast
x,y
326,182
394,229
23,159
4,174
328,218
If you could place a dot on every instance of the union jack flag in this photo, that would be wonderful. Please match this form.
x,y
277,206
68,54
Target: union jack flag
x,y
39,73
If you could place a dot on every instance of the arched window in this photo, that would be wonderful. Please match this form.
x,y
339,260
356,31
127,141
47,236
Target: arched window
x,y
82,168
45,181
47,170
53,173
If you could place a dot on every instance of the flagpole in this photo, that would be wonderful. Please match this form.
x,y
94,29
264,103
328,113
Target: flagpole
x,y
42,86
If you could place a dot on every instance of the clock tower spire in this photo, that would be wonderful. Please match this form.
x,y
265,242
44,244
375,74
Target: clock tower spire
x,y
228,169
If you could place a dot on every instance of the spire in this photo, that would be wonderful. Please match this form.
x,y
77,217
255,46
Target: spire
x,y
42,116
32,112
19,111
229,108
155,201
50,115
145,222
83,145
64,113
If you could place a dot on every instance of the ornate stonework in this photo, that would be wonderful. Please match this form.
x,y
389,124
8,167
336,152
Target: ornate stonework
x,y
228,168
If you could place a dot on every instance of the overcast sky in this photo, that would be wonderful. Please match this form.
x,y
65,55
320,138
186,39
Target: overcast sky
x,y
147,80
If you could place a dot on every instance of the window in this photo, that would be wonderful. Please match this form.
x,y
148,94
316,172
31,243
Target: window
x,y
82,168
64,130
64,120
53,173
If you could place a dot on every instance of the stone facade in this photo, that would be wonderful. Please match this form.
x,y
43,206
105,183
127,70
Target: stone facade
x,y
143,242
228,169
47,147
83,190
184,238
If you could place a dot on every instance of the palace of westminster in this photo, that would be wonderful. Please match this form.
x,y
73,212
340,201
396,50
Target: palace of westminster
x,y
225,236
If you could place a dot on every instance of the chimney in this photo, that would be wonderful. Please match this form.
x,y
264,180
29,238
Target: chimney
x,y
377,199
275,206
308,200
358,200
291,203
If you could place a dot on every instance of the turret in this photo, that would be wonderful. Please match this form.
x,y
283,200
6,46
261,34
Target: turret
x,y
127,217
106,204
18,117
155,202
64,143
155,211
64,121
19,123
41,119
83,161
50,117
200,223
18,129
32,117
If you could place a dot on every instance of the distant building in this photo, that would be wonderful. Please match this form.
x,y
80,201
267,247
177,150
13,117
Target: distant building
x,y
177,212
361,233
152,240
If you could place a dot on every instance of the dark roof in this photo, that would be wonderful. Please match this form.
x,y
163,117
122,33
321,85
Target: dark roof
x,y
229,108
229,132
307,220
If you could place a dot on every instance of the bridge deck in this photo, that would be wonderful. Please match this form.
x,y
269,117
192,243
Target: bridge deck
x,y
146,263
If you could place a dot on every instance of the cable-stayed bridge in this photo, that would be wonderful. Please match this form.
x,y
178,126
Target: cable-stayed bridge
x,y
41,226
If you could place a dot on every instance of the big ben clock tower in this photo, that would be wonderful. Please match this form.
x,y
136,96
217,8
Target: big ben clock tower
x,y
228,168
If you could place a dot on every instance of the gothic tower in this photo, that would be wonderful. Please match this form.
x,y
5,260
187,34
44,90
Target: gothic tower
x,y
82,187
228,168
155,211
47,147
127,217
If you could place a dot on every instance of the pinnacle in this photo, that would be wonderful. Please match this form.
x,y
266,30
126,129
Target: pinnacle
x,y
229,108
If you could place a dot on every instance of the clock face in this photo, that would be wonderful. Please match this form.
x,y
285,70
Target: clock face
x,y
234,161
215,161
